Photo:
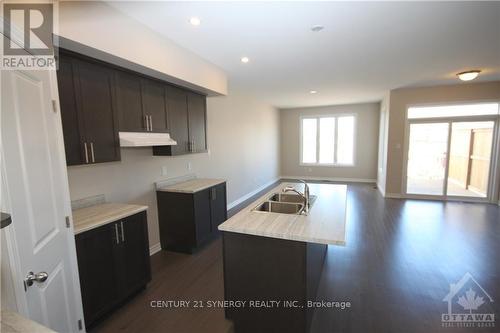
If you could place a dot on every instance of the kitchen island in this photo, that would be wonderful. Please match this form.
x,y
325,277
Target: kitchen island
x,y
273,261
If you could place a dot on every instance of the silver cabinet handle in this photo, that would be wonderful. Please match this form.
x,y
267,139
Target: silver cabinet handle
x,y
214,193
116,234
146,119
92,152
123,233
151,123
38,277
86,152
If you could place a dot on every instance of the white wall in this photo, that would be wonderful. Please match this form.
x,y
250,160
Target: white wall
x,y
367,126
243,140
102,27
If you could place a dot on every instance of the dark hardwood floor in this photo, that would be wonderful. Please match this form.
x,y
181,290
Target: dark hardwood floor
x,y
397,266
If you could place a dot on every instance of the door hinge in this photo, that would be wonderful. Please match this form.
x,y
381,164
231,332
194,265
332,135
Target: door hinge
x,y
80,325
54,105
67,222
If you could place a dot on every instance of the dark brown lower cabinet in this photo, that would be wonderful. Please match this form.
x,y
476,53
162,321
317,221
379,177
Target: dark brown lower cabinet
x,y
113,262
264,269
190,220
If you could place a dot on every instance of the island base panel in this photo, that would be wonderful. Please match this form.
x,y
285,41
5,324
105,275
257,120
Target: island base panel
x,y
268,269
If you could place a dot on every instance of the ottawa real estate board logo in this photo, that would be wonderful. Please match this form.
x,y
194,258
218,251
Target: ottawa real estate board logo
x,y
469,305
28,34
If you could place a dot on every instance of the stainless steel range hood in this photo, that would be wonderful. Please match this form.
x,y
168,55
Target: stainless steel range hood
x,y
140,139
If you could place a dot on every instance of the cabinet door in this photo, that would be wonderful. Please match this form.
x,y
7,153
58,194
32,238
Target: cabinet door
x,y
95,101
178,119
154,104
129,102
202,216
132,255
94,251
71,120
197,122
218,205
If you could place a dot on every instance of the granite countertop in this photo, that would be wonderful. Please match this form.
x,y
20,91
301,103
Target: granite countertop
x,y
325,224
191,185
13,322
85,219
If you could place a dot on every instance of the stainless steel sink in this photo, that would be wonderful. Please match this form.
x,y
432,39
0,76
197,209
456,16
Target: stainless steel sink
x,y
292,198
279,207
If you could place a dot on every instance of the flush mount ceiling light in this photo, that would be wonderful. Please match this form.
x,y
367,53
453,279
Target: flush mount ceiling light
x,y
313,92
468,75
317,28
195,21
245,60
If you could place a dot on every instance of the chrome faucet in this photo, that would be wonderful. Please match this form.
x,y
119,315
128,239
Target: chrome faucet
x,y
305,196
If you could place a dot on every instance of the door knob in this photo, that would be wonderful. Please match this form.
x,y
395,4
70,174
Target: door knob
x,y
38,277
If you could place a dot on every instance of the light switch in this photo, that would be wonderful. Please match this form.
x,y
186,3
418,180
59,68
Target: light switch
x,y
164,170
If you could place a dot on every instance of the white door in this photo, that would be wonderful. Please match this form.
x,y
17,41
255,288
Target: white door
x,y
33,163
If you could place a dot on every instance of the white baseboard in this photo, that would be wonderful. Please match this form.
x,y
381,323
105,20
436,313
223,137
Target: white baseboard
x,y
154,249
381,190
251,194
332,179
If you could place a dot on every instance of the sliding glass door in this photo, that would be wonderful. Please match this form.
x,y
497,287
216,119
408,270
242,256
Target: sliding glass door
x,y
450,156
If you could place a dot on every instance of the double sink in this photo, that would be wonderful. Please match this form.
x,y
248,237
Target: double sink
x,y
284,203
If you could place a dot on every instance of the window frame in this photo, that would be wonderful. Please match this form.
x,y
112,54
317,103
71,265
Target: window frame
x,y
335,163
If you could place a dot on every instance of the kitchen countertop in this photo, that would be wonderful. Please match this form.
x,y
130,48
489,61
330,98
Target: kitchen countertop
x,y
13,322
88,218
191,185
325,224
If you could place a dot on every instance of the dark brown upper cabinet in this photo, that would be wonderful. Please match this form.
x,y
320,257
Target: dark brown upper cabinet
x,y
72,126
154,105
99,99
129,102
187,120
88,114
141,103
178,121
197,122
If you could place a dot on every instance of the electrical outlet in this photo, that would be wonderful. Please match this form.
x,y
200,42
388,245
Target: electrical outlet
x,y
164,170
189,166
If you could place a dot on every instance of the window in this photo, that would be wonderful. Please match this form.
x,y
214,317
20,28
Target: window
x,y
453,110
327,140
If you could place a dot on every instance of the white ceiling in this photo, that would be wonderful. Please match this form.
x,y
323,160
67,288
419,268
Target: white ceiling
x,y
365,49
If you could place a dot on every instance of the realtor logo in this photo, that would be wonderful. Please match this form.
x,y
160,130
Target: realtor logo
x,y
469,305
28,41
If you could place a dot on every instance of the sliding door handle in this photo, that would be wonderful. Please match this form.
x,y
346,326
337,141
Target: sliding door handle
x,y
86,152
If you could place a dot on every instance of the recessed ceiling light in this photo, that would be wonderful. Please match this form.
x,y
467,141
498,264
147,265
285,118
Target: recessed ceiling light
x,y
313,92
195,21
317,28
468,75
245,60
